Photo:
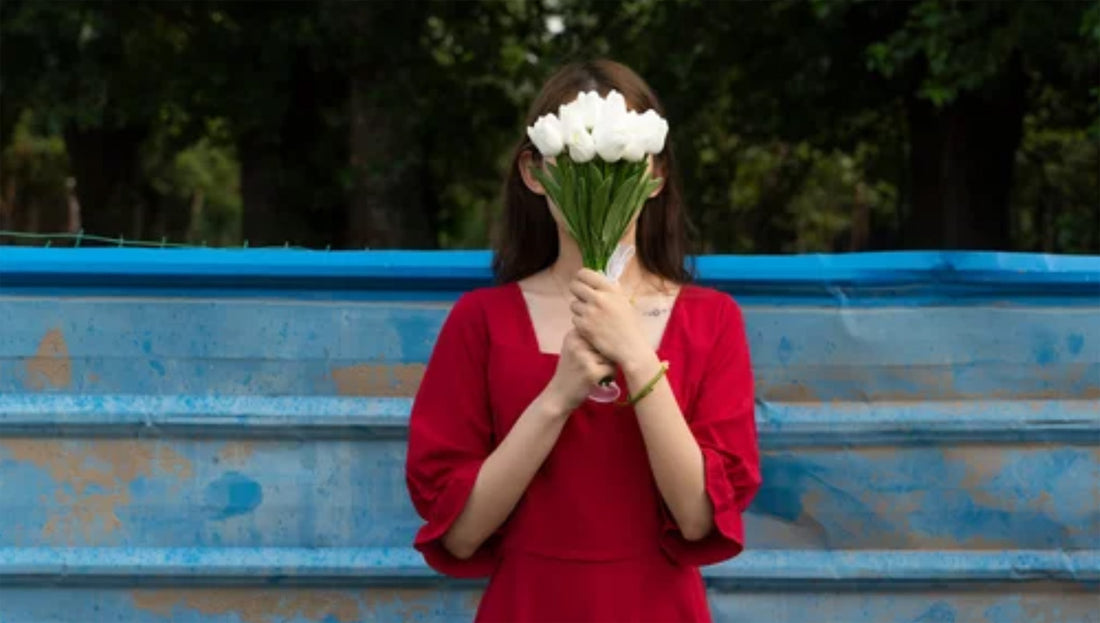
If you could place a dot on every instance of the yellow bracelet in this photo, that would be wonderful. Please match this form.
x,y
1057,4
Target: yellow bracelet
x,y
645,391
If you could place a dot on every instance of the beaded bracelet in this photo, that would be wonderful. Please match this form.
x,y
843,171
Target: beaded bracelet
x,y
645,391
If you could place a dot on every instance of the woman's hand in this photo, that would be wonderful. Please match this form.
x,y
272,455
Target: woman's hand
x,y
580,368
604,317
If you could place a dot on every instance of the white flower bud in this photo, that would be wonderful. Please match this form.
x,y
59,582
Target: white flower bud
x,y
577,139
655,130
634,151
546,134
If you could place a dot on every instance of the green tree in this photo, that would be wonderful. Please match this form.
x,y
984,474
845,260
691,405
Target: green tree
x,y
937,90
823,125
100,74
973,71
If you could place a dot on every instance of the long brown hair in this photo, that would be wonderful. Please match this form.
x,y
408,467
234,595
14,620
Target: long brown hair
x,y
525,240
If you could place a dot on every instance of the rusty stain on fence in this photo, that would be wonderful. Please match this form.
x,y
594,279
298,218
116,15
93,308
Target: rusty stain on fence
x,y
919,383
382,380
50,364
253,606
87,514
410,602
236,452
98,474
793,392
271,605
981,465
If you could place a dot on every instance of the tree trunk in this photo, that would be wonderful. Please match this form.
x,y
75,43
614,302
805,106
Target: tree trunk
x,y
260,172
860,232
961,162
73,204
289,173
388,205
392,198
7,201
105,165
195,226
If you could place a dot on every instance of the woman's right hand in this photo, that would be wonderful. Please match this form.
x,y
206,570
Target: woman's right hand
x,y
580,368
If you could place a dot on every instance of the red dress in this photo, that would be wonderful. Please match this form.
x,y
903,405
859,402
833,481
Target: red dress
x,y
591,539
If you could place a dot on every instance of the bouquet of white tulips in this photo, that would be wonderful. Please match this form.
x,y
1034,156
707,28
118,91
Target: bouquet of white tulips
x,y
599,178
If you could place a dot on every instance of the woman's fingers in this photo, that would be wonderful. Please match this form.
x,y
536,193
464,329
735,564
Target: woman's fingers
x,y
595,355
582,290
593,279
599,367
576,340
593,364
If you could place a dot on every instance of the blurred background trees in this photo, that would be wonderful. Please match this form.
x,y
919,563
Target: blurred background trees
x,y
801,125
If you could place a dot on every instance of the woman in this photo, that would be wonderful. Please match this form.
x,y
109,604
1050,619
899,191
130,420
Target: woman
x,y
579,510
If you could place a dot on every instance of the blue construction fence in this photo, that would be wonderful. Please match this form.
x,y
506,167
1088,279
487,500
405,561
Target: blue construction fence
x,y
207,435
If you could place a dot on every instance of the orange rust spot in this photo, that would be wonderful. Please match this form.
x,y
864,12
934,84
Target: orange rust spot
x,y
50,364
896,508
787,392
50,529
982,466
378,379
905,383
975,542
412,603
236,451
88,515
254,606
99,474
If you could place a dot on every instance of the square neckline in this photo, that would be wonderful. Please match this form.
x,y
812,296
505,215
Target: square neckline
x,y
532,338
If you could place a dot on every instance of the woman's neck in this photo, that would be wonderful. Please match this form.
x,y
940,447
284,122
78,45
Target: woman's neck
x,y
570,261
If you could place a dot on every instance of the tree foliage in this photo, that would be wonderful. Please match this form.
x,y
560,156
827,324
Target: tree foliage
x,y
826,125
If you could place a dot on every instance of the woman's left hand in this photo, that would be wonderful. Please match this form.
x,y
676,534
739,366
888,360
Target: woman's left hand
x,y
604,317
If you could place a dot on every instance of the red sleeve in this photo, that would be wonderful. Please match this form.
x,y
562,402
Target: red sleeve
x,y
450,435
723,423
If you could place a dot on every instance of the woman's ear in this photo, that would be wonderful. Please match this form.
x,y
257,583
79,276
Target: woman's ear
x,y
525,162
657,169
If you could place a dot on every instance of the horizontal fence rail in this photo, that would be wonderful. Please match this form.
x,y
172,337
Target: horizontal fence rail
x,y
870,276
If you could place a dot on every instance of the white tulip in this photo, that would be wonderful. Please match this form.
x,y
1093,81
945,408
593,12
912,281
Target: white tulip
x,y
571,119
546,134
655,130
592,108
612,132
581,146
611,138
586,108
636,138
591,125
613,108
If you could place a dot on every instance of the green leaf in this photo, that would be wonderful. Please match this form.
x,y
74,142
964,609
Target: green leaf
x,y
601,203
557,188
615,225
549,183
595,211
583,209
598,175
